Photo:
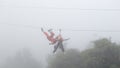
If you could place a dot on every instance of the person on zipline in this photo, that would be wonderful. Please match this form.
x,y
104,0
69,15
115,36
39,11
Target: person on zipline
x,y
57,42
50,37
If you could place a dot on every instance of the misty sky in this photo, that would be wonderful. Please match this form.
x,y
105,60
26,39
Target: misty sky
x,y
20,22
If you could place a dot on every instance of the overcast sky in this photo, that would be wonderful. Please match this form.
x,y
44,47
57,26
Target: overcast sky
x,y
20,22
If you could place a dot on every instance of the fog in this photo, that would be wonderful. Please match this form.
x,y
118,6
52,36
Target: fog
x,y
21,20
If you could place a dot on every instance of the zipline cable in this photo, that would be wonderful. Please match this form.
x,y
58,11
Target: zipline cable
x,y
54,8
37,27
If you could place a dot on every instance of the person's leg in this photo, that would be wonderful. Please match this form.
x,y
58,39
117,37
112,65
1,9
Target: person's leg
x,y
46,34
61,47
56,47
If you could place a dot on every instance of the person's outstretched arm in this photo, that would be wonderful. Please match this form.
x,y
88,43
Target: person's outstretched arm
x,y
66,39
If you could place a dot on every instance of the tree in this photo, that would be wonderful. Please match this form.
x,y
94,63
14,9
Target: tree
x,y
104,54
70,59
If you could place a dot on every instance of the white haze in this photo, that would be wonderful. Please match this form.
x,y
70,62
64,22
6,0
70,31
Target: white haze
x,y
21,20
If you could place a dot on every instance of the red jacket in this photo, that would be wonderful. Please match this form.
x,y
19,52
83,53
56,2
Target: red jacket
x,y
50,37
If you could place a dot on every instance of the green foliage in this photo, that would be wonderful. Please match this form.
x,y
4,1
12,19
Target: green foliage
x,y
61,60
104,54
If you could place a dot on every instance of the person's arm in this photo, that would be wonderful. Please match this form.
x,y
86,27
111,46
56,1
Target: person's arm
x,y
42,30
66,39
59,31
